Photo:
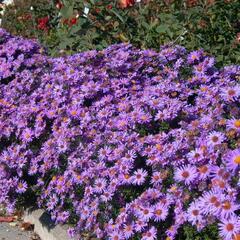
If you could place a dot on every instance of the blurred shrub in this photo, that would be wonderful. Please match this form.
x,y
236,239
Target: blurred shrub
x,y
77,25
19,19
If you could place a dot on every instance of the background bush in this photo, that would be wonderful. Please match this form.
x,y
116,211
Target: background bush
x,y
20,20
212,25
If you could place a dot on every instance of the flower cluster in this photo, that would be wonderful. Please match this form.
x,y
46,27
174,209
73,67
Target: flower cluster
x,y
125,142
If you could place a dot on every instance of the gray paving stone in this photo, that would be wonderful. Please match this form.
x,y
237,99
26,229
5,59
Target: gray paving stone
x,y
8,232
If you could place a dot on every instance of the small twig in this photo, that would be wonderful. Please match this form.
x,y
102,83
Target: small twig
x,y
182,34
34,22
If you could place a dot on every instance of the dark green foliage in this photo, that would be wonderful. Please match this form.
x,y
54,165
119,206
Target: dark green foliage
x,y
190,233
211,25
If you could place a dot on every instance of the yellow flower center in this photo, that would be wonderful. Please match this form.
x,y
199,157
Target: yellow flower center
x,y
145,211
27,135
214,138
231,92
74,112
185,174
237,159
158,212
236,237
229,227
226,205
237,123
195,212
203,169
159,147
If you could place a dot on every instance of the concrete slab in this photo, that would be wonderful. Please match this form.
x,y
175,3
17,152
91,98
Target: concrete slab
x,y
44,226
8,232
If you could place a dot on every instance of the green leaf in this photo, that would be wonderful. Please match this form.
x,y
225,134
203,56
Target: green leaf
x,y
146,25
75,29
161,29
170,33
118,15
67,11
107,18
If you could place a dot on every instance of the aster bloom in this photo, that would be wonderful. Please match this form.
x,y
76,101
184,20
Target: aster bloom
x,y
52,202
211,202
215,138
160,212
232,159
231,93
228,207
195,155
62,217
234,124
106,196
186,174
21,187
139,176
116,236
194,56
145,213
27,135
126,178
128,230
151,234
100,185
156,178
194,213
140,225
71,232
229,228
204,171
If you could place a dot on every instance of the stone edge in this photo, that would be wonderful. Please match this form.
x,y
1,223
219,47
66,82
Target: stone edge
x,y
44,226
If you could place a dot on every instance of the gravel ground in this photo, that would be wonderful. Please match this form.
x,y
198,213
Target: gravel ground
x,y
8,232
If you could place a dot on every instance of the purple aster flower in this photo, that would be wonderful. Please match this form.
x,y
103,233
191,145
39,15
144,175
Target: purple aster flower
x,y
71,232
100,185
229,228
194,56
194,213
186,174
27,135
160,212
52,202
195,156
145,213
204,171
128,230
106,196
156,178
139,176
151,234
62,217
228,207
21,187
232,159
140,225
215,138
231,93
116,236
234,124
211,202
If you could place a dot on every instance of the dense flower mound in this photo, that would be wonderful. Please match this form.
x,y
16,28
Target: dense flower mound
x,y
124,143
